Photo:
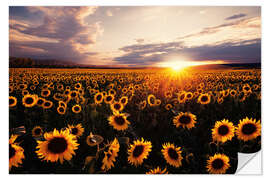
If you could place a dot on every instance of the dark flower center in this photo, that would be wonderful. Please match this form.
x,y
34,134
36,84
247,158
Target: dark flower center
x,y
138,150
188,95
11,101
99,97
123,101
76,108
73,94
204,98
12,151
29,100
47,104
109,98
61,109
172,153
223,130
182,96
37,131
184,119
248,129
45,92
40,101
117,106
217,164
74,131
246,88
119,120
57,145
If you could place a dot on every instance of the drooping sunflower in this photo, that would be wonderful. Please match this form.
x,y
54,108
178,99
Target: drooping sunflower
x,y
172,154
16,152
116,106
98,98
218,164
158,170
37,131
204,98
58,145
76,130
118,121
94,139
12,101
186,120
223,131
76,108
248,129
142,105
110,155
29,100
108,99
139,151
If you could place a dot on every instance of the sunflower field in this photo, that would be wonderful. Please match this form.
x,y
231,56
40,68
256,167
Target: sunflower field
x,y
132,121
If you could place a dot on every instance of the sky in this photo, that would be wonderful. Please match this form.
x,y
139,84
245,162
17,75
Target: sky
x,y
137,35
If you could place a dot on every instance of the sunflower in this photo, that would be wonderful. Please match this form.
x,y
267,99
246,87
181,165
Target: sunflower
x,y
76,130
62,103
181,97
142,105
158,170
124,100
16,152
108,99
61,110
40,101
118,121
98,98
37,131
223,131
248,129
189,95
168,107
204,99
139,151
186,120
151,99
12,101
110,155
218,164
29,100
76,108
117,106
58,145
112,92
93,140
45,93
172,154
73,94
47,104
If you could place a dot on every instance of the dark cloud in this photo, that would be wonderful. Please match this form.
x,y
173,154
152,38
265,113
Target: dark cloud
x,y
67,36
140,40
243,51
236,16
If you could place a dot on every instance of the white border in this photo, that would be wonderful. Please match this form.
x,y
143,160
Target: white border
x,y
265,72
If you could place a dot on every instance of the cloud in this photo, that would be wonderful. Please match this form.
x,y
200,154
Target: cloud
x,y
140,40
62,33
149,54
236,16
238,41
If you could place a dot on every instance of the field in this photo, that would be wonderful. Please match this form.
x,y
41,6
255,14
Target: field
x,y
132,121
